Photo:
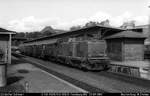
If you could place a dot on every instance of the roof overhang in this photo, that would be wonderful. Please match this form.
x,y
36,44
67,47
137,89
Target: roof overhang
x,y
7,32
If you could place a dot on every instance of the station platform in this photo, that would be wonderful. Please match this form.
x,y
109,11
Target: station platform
x,y
140,69
140,64
103,80
36,80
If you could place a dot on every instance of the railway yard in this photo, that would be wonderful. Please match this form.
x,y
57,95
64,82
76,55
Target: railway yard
x,y
29,78
81,81
93,59
75,47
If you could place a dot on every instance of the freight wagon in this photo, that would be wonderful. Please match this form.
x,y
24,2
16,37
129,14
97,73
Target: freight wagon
x,y
87,55
84,48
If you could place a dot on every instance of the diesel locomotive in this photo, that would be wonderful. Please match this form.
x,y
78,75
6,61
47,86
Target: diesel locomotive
x,y
83,48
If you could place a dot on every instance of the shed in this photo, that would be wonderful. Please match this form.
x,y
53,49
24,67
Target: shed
x,y
5,53
126,46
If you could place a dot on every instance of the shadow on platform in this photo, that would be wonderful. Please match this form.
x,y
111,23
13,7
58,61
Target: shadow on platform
x,y
128,79
13,85
14,79
23,71
14,62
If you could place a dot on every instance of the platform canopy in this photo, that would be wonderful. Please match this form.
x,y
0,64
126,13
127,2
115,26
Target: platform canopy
x,y
104,29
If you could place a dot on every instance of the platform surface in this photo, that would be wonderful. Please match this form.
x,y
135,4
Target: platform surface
x,y
102,80
144,67
140,64
37,80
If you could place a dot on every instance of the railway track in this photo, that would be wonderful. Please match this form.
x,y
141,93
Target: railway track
x,y
71,80
118,83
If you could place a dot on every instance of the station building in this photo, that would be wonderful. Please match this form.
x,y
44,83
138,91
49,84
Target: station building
x,y
126,51
5,53
126,46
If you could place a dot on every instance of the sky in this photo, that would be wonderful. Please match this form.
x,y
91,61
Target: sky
x,y
34,15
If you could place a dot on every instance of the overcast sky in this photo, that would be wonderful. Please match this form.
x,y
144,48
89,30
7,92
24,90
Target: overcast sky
x,y
32,15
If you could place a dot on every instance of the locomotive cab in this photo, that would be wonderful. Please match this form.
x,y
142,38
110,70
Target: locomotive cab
x,y
97,49
93,54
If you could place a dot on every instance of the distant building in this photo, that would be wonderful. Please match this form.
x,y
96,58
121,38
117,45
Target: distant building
x,y
143,29
16,41
128,25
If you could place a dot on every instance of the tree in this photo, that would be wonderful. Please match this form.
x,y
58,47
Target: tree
x,y
75,28
91,23
102,23
105,23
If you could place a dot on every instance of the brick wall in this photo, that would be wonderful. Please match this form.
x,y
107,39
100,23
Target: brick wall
x,y
125,49
133,50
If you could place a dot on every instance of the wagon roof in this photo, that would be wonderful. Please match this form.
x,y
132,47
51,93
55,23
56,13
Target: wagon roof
x,y
108,29
126,34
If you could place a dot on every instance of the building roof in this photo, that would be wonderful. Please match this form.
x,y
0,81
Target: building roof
x,y
141,26
5,31
126,34
83,30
